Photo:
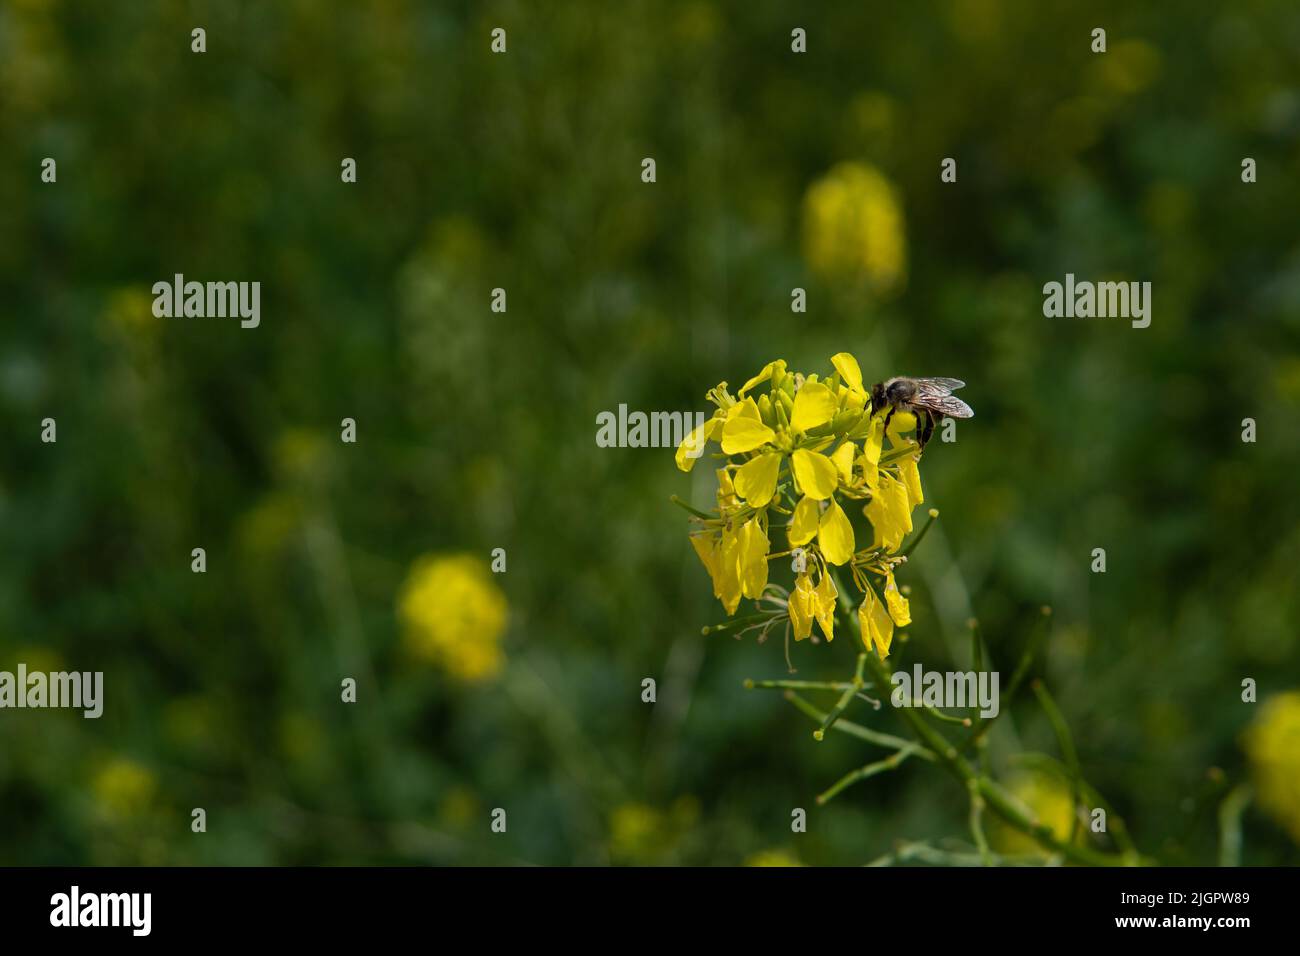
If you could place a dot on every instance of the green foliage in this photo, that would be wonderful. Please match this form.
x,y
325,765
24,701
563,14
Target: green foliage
x,y
475,429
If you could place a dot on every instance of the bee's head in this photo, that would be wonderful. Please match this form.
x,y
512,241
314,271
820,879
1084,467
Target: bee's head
x,y
878,399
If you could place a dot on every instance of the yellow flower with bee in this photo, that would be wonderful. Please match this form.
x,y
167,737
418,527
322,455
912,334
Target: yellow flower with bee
x,y
800,454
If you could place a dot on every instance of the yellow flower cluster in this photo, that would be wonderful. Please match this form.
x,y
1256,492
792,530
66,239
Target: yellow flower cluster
x,y
853,228
795,457
454,615
1273,745
642,834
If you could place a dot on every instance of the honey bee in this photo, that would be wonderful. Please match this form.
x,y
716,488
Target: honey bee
x,y
929,399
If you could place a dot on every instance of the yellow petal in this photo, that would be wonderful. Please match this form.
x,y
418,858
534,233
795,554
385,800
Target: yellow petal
x,y
726,493
816,474
814,404
802,606
827,595
889,513
729,571
762,376
876,625
899,607
843,459
692,446
875,439
835,536
803,526
706,546
753,559
870,472
849,371
756,479
742,433
911,476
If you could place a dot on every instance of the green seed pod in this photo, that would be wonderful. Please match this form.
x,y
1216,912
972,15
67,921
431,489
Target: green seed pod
x,y
861,428
843,422
782,407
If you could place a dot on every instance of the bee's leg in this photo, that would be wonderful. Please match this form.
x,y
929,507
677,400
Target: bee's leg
x,y
927,428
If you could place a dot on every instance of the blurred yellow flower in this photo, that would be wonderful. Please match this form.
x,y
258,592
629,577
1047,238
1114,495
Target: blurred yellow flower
x,y
1047,797
1272,742
643,834
1129,67
773,858
454,615
123,788
130,311
37,658
634,830
459,808
853,228
301,739
269,524
299,454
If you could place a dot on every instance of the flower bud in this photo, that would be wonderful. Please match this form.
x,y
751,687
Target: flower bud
x,y
846,420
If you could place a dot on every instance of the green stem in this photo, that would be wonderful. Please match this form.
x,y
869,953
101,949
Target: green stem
x,y
1066,743
1022,668
995,797
797,685
939,715
857,730
897,454
738,622
695,511
977,823
1114,822
842,704
870,770
916,539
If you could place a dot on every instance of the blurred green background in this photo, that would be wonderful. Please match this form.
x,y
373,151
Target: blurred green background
x,y
475,430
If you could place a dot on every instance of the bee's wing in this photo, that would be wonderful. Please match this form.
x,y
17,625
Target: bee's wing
x,y
946,384
950,405
936,394
929,390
